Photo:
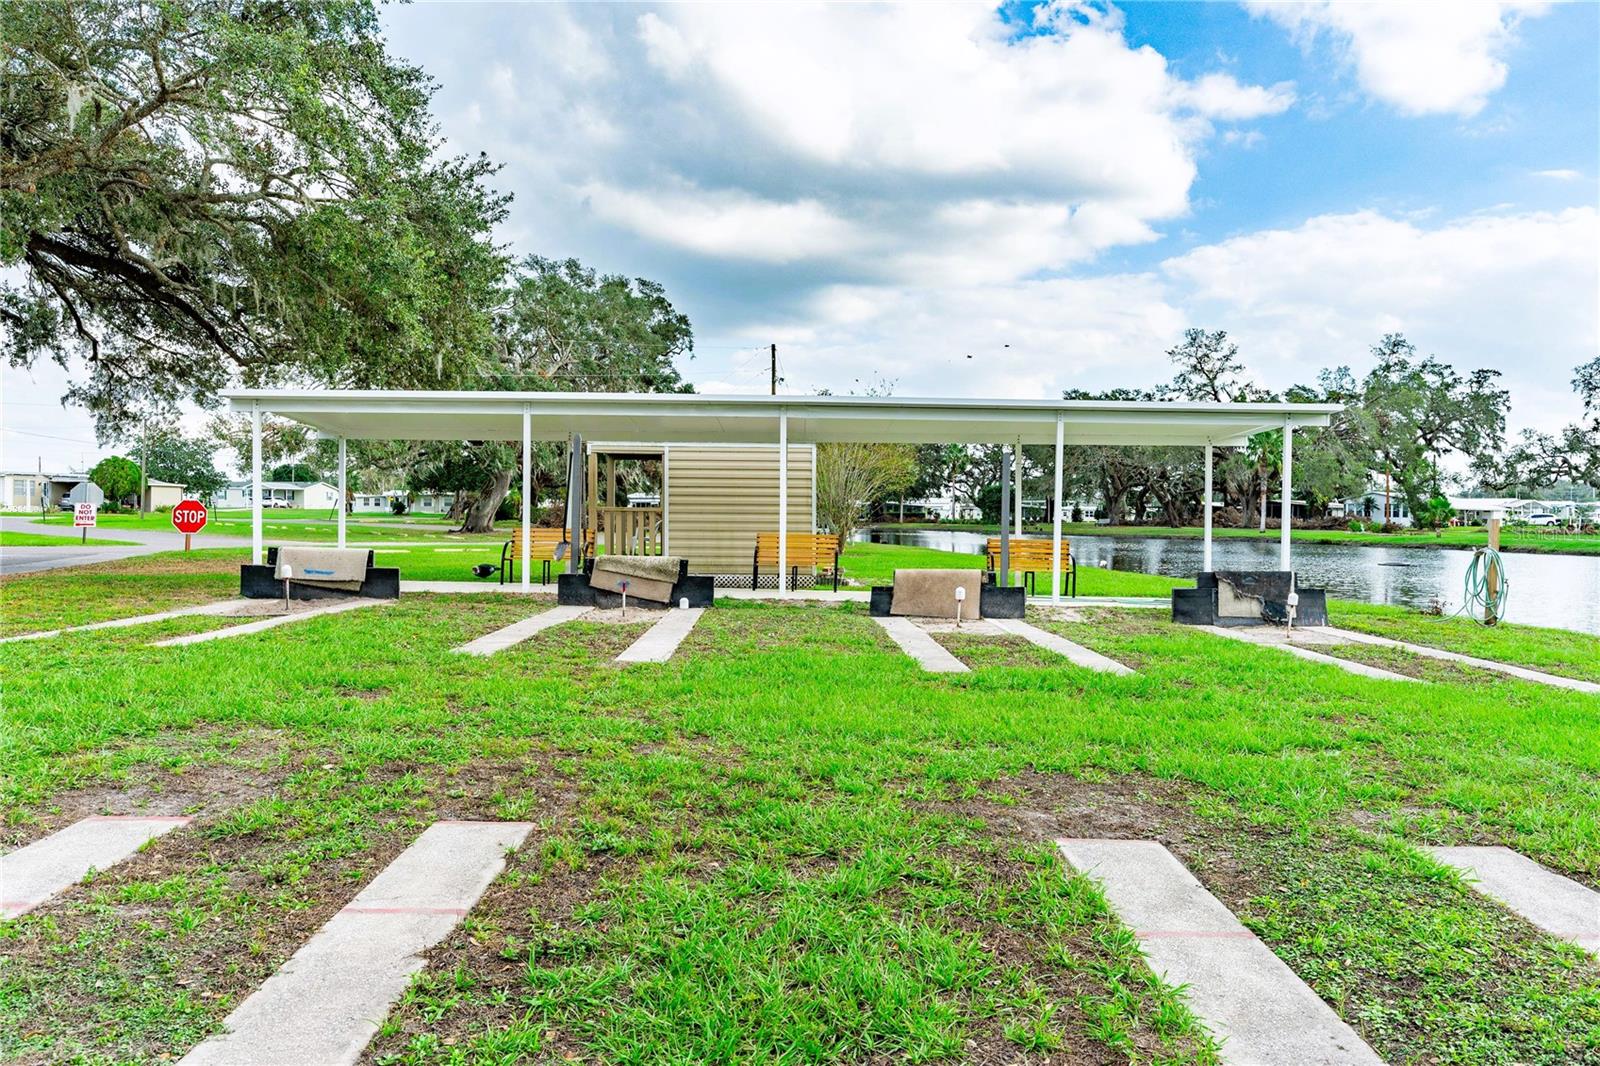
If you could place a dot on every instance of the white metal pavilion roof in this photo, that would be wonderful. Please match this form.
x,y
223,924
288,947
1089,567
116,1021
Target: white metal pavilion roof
x,y
743,419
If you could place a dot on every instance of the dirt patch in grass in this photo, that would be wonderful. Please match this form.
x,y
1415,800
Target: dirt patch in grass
x,y
205,773
981,651
545,958
1111,631
148,958
1409,959
1400,661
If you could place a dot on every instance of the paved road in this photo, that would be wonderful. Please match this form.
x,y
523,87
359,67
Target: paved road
x,y
148,541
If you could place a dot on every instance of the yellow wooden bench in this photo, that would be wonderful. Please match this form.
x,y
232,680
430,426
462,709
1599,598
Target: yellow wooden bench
x,y
1031,556
542,544
809,550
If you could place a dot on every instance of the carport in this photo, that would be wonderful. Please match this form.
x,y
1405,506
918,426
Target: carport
x,y
781,420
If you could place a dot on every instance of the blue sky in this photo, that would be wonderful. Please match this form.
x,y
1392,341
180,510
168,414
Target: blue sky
x,y
967,200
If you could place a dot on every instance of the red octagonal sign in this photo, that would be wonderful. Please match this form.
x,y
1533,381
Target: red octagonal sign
x,y
189,516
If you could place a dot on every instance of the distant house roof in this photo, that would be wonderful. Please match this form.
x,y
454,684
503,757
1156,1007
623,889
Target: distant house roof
x,y
245,483
75,478
158,483
1485,503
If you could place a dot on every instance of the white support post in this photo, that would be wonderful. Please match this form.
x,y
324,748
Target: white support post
x,y
526,562
1055,535
256,556
1286,510
783,503
1205,521
1016,462
342,496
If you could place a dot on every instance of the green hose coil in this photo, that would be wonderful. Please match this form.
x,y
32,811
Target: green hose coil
x,y
1477,593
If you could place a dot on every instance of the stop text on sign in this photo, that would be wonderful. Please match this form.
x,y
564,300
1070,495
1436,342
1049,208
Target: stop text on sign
x,y
189,516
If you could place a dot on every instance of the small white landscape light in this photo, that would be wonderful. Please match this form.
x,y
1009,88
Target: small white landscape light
x,y
683,603
288,572
961,597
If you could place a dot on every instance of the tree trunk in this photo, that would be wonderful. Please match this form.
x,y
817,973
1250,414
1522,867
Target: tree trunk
x,y
480,514
458,507
1263,506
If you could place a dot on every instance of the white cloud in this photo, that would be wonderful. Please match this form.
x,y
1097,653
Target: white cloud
x,y
1424,57
1514,292
945,144
728,224
1561,174
1221,96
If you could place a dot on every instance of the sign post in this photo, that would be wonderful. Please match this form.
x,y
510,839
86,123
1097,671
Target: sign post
x,y
83,517
189,518
1491,613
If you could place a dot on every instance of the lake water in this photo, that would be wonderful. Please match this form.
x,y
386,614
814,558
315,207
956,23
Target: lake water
x,y
1545,590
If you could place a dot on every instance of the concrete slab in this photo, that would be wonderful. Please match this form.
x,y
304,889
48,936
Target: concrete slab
x,y
32,874
1263,1014
1077,653
1558,905
221,607
517,632
1510,669
1347,665
272,622
326,1002
915,642
658,642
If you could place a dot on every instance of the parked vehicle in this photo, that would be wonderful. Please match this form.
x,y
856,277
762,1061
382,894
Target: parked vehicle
x,y
1543,518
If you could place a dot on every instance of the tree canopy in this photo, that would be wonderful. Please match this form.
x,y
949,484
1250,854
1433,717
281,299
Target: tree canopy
x,y
200,192
118,478
171,456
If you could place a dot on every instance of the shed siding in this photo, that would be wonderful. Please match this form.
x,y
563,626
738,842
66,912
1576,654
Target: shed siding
x,y
719,497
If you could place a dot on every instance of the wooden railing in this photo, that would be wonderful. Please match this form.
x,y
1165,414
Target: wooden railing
x,y
632,530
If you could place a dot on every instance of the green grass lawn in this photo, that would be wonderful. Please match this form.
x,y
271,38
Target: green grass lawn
x,y
12,539
1559,651
1516,539
281,526
787,843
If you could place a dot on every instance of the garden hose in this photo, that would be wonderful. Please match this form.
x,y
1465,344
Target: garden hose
x,y
1477,593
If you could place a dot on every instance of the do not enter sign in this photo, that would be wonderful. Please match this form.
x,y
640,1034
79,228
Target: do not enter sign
x,y
189,516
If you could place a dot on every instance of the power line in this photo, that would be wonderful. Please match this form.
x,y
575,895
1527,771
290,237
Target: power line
x,y
52,436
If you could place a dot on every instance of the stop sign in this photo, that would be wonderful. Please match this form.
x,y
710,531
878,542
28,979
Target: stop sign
x,y
189,516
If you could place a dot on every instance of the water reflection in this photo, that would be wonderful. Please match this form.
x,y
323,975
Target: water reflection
x,y
1546,590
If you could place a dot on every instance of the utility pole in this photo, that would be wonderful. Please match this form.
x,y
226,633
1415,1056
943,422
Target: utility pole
x,y
144,454
774,369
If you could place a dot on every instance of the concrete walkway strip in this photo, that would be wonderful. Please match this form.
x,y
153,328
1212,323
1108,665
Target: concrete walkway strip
x,y
1263,1014
1558,905
270,622
327,1001
1509,669
657,643
1347,665
1077,653
137,620
517,632
915,642
32,874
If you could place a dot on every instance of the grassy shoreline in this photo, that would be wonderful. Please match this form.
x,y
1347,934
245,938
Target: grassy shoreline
x,y
1463,539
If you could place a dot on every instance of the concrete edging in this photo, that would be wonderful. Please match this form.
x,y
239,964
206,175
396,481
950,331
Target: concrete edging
x,y
517,632
1263,1013
34,873
324,1005
658,643
916,642
1347,665
1074,652
1558,905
